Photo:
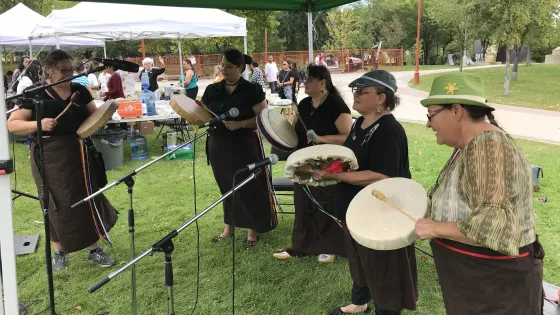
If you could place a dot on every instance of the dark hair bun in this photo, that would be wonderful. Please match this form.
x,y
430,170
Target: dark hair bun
x,y
248,59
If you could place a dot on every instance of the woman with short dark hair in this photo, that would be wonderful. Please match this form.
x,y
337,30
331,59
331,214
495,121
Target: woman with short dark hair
x,y
234,144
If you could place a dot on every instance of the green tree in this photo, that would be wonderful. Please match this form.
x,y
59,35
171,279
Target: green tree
x,y
292,30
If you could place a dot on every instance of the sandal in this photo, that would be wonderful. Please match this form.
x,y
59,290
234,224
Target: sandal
x,y
252,243
219,238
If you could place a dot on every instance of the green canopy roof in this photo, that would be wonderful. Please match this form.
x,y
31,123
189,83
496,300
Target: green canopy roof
x,y
274,5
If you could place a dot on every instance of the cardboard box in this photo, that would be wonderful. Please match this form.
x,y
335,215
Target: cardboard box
x,y
146,127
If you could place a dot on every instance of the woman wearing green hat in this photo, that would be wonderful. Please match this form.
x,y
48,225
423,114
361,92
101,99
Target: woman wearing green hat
x,y
481,222
389,278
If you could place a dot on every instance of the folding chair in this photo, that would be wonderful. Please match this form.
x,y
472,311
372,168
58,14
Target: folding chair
x,y
282,186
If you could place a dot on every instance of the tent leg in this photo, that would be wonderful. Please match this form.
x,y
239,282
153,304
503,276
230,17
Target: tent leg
x,y
104,52
245,45
8,282
30,50
310,33
57,43
180,57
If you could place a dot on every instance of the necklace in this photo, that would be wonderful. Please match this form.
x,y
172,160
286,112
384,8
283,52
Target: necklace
x,y
313,109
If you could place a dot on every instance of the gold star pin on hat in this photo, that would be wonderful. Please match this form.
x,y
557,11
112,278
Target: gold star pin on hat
x,y
451,88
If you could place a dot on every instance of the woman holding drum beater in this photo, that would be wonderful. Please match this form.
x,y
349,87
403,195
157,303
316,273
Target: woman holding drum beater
x,y
327,116
71,229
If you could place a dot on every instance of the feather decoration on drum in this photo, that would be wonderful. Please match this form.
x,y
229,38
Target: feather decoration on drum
x,y
330,157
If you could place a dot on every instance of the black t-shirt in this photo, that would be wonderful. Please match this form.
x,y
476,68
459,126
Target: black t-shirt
x,y
321,119
76,114
152,76
284,76
380,148
244,97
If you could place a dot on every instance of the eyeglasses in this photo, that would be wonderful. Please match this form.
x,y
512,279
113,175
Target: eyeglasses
x,y
432,114
360,91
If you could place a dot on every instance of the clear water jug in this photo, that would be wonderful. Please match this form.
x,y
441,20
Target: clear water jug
x,y
149,98
139,147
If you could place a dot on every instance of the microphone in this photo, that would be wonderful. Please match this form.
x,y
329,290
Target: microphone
x,y
118,64
234,112
269,160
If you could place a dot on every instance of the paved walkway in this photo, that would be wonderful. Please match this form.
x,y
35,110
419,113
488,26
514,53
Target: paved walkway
x,y
524,123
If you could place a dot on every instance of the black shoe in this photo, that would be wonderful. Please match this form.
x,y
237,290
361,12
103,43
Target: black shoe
x,y
100,257
338,311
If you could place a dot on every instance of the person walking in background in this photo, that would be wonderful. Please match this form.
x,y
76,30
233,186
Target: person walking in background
x,y
257,76
271,72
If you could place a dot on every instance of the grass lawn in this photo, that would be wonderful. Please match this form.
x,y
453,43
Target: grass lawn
x,y
163,201
536,87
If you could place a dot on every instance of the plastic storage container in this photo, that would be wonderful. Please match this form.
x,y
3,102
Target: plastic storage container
x,y
109,142
185,153
138,146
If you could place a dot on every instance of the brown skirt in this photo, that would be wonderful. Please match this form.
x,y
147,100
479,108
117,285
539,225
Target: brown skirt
x,y
254,208
74,228
390,275
473,285
314,232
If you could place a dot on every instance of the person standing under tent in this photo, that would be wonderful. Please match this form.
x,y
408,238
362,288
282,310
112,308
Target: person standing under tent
x,y
153,73
189,79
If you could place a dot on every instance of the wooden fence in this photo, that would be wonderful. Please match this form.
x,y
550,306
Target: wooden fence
x,y
344,60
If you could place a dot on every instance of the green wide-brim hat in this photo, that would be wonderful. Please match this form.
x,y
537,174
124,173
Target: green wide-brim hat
x,y
457,88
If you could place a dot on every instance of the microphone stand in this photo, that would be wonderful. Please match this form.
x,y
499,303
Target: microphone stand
x,y
129,181
166,246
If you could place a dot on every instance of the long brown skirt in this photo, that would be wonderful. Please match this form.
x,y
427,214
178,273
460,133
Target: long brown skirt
x,y
314,232
74,228
472,285
390,275
253,202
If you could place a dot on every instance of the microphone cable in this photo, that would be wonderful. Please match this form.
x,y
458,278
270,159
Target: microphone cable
x,y
196,224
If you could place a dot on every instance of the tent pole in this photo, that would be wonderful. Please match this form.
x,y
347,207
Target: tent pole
x,y
104,51
245,45
57,43
8,285
30,50
310,33
180,56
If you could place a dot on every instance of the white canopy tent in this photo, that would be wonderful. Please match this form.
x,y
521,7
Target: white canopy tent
x,y
17,23
112,21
